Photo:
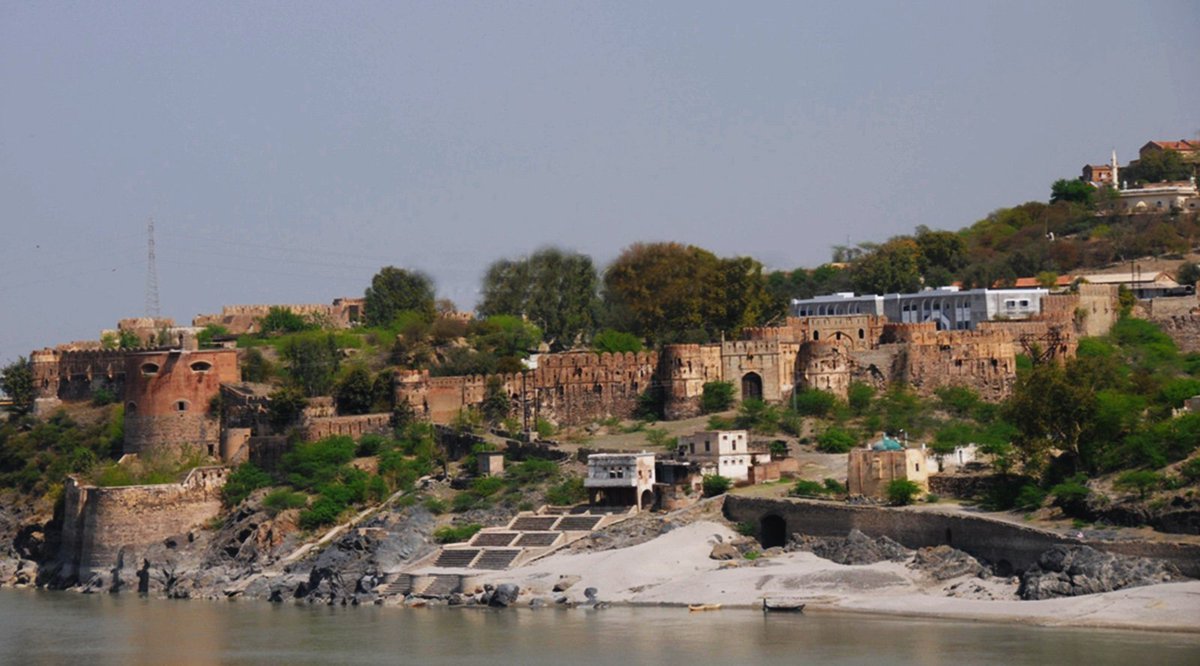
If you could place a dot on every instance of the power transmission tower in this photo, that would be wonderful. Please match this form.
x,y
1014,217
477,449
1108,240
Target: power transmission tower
x,y
152,309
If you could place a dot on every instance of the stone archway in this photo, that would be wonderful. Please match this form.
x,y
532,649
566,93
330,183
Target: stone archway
x,y
772,531
752,386
647,500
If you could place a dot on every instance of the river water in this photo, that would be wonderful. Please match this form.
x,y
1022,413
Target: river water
x,y
90,630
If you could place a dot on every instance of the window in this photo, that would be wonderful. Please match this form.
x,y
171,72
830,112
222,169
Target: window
x,y
201,366
181,405
1024,304
149,369
706,446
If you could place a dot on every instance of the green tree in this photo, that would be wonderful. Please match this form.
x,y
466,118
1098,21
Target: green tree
x,y
859,397
280,320
716,397
1051,412
893,268
715,484
128,340
1188,273
1140,480
205,337
615,342
285,407
836,440
496,403
256,367
1073,191
1158,166
505,336
394,290
556,290
355,392
943,255
311,359
16,381
901,492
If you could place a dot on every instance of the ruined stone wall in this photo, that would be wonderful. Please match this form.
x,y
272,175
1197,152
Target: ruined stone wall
x,y
856,332
683,371
997,542
1184,329
928,359
1100,309
77,375
100,523
825,366
168,396
243,319
569,389
350,426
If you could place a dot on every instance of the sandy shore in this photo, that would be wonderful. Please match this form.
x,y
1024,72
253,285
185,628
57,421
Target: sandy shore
x,y
676,569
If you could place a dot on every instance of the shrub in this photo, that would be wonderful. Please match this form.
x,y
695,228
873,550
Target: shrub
x,y
435,506
103,396
835,440
958,400
835,487
313,463
608,340
720,423
779,449
1030,497
932,498
746,529
283,499
791,423
487,486
814,402
545,429
324,511
859,397
1071,496
901,492
370,445
456,533
758,416
242,481
657,437
1191,470
1140,480
570,491
716,397
806,488
715,484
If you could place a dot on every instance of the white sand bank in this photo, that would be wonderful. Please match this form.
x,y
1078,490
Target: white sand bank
x,y
676,569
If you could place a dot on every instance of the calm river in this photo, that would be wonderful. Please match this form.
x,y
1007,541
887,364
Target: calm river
x,y
68,628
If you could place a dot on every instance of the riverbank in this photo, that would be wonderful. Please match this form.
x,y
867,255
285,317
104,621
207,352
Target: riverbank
x,y
675,569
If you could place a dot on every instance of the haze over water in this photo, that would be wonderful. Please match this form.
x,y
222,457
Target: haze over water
x,y
41,627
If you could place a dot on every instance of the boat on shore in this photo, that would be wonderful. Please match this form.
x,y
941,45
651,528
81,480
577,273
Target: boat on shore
x,y
782,606
703,607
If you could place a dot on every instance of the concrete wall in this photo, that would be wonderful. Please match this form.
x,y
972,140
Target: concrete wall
x,y
995,541
101,525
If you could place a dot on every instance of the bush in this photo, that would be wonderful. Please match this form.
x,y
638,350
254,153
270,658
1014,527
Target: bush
x,y
835,487
814,402
958,400
545,429
464,502
746,529
806,488
932,499
1191,470
715,484
324,511
615,342
370,445
901,492
570,491
1030,497
313,463
242,481
283,499
859,397
1071,496
758,416
716,397
791,423
658,438
456,533
720,423
487,486
835,440
435,506
1140,480
103,396
779,449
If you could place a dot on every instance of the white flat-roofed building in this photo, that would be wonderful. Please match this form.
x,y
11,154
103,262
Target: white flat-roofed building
x,y
723,452
949,307
620,479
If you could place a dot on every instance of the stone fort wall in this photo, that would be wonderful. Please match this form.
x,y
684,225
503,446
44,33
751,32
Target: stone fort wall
x,y
243,319
998,542
569,389
168,395
102,525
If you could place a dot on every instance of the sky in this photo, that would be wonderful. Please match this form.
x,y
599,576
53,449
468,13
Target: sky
x,y
286,151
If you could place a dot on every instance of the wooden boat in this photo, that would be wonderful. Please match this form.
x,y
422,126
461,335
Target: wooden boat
x,y
704,607
782,606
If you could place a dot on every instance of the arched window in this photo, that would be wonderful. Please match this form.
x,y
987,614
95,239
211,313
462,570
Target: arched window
x,y
862,335
201,366
149,369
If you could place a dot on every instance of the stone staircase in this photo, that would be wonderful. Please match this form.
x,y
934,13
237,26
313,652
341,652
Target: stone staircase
x,y
496,558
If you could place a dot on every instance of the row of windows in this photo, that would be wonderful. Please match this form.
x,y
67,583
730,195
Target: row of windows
x,y
151,369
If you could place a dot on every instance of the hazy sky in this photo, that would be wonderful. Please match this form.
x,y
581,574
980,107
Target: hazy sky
x,y
287,151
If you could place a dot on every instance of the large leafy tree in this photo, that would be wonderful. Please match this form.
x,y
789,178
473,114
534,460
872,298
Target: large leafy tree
x,y
895,267
311,359
554,289
1158,166
1074,191
16,380
394,290
668,292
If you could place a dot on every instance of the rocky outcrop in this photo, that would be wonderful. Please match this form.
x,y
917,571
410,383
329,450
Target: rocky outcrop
x,y
944,563
1068,571
854,548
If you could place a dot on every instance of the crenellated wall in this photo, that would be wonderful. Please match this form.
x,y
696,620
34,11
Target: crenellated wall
x,y
568,389
242,319
102,525
683,371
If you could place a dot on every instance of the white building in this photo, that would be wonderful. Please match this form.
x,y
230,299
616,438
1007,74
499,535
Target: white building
x,y
620,479
950,307
723,452
1159,198
954,460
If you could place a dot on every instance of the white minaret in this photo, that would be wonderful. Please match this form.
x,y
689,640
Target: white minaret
x,y
1115,169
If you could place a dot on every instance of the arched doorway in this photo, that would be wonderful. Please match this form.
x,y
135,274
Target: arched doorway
x,y
752,386
647,501
772,531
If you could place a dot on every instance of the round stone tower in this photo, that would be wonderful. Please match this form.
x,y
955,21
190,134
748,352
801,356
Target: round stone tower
x,y
168,399
824,366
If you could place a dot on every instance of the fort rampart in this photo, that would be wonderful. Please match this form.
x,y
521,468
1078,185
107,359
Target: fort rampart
x,y
103,525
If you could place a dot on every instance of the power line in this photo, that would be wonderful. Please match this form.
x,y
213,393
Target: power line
x,y
152,309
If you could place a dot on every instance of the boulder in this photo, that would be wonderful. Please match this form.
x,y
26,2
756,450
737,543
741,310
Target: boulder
x,y
724,551
944,563
1071,570
565,582
504,595
855,548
